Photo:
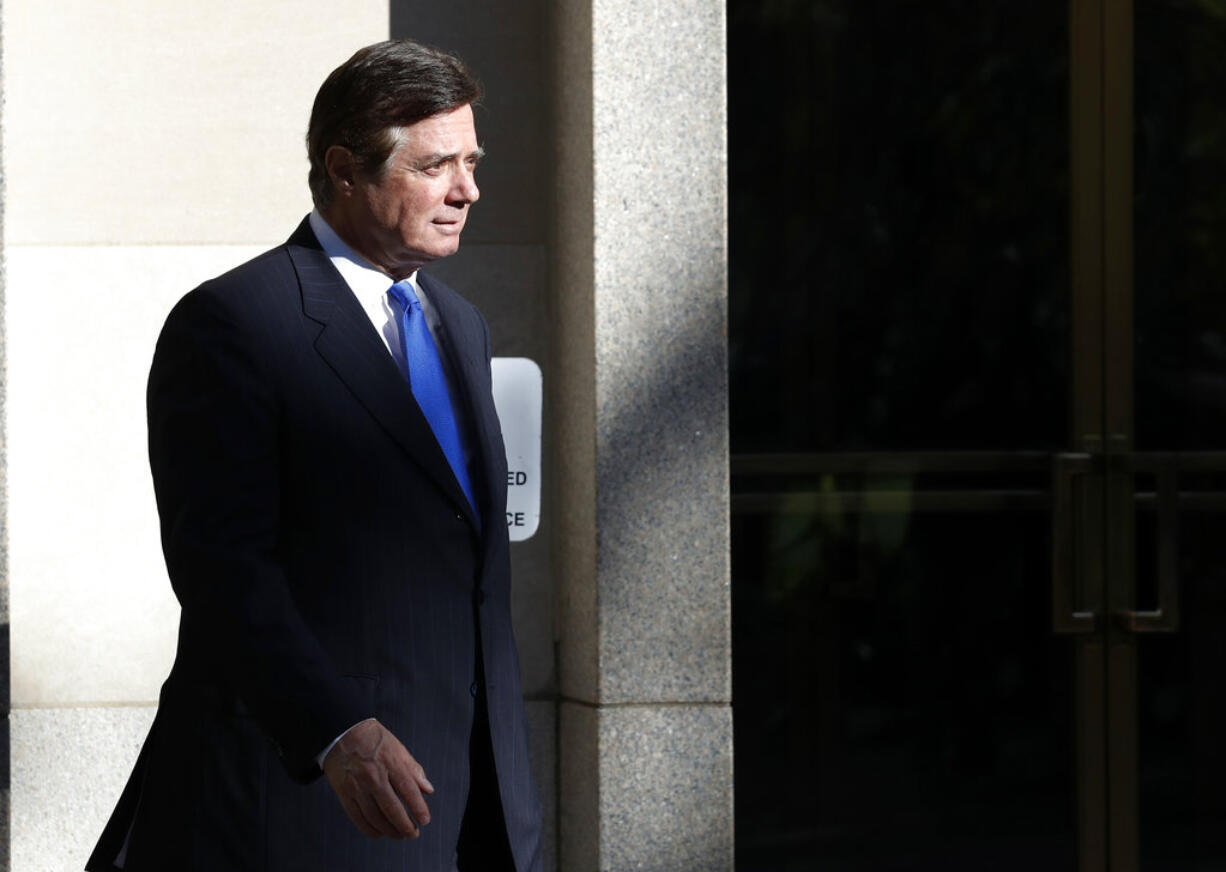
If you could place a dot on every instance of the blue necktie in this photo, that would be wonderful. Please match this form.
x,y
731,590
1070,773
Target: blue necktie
x,y
428,383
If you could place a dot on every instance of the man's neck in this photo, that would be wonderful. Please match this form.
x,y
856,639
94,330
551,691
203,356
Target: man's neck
x,y
344,229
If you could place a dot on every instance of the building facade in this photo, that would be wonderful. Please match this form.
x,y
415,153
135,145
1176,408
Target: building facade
x,y
936,443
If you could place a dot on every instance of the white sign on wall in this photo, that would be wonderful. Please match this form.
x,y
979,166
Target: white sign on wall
x,y
517,397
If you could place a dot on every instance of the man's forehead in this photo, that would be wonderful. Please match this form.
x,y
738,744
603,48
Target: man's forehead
x,y
439,135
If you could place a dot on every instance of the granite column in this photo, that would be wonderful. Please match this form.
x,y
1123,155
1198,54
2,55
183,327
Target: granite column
x,y
639,410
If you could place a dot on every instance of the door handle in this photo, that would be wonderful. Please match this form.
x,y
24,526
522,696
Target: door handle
x,y
1165,618
1066,545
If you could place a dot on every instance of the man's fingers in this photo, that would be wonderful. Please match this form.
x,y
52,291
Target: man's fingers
x,y
407,787
375,816
395,814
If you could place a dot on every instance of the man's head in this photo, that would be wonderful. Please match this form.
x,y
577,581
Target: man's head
x,y
393,149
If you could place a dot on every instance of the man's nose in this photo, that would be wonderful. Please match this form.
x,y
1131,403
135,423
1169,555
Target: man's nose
x,y
465,189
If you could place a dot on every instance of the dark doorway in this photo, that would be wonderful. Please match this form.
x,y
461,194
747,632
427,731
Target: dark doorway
x,y
958,549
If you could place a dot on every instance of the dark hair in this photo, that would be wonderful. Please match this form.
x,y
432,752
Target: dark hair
x,y
383,87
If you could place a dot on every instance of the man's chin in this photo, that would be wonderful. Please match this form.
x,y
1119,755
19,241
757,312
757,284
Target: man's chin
x,y
445,247
412,259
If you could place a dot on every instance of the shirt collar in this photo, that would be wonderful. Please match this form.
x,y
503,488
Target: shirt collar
x,y
359,274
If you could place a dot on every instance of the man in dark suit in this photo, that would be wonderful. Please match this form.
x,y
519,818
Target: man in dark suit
x,y
331,482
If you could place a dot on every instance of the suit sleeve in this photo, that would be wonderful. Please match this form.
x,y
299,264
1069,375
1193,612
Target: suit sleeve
x,y
213,449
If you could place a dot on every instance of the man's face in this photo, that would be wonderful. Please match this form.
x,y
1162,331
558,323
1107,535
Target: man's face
x,y
414,213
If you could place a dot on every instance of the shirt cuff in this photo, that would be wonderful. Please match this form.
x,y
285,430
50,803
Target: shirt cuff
x,y
319,759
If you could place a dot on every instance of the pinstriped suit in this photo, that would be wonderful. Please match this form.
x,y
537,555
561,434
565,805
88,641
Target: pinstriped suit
x,y
330,569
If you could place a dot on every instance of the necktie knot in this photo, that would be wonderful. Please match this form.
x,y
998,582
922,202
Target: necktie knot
x,y
404,295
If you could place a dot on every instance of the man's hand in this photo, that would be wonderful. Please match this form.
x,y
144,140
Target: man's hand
x,y
375,778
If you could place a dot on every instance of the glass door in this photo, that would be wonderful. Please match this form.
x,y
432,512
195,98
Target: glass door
x,y
1171,425
906,370
978,345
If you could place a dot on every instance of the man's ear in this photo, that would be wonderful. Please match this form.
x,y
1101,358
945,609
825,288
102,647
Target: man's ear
x,y
342,169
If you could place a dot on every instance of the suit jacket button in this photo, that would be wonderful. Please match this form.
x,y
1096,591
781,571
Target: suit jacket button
x,y
473,689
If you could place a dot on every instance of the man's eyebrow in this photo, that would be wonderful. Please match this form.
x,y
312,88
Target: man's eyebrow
x,y
441,158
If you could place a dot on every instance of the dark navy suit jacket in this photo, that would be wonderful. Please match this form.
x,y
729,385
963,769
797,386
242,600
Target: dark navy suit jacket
x,y
329,568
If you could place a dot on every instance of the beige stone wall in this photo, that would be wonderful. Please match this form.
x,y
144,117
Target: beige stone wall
x,y
148,145
145,122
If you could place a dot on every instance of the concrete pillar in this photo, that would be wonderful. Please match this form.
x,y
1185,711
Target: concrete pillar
x,y
639,409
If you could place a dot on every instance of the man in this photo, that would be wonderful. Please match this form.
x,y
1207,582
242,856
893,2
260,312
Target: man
x,y
331,482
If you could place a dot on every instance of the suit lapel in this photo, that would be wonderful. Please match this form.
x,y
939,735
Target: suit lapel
x,y
354,351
